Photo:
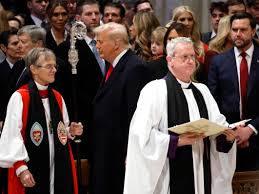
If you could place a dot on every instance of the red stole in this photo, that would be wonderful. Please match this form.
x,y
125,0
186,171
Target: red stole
x,y
14,183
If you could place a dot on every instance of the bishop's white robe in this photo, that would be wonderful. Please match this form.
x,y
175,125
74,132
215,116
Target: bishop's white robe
x,y
12,148
147,165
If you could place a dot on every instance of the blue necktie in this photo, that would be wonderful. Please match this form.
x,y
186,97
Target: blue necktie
x,y
97,56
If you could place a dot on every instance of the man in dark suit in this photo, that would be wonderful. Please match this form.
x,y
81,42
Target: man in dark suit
x,y
217,11
234,82
38,14
30,36
113,108
90,69
12,48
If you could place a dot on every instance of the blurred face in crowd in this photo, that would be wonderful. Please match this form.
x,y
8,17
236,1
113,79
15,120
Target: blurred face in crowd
x,y
216,15
254,11
111,14
233,9
38,8
182,64
44,70
90,16
133,31
242,33
28,44
144,7
59,18
157,47
13,50
186,19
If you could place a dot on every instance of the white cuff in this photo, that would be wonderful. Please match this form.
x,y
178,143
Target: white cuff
x,y
21,169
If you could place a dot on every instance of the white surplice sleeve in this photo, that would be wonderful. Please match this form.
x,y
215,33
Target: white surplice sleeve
x,y
223,165
147,169
12,148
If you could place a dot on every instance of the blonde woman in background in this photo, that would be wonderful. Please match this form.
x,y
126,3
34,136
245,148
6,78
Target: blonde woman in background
x,y
222,40
143,25
221,43
184,14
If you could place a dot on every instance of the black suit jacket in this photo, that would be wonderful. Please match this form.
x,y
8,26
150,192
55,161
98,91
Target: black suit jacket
x,y
113,108
224,86
29,21
12,78
5,72
51,43
158,67
206,37
85,84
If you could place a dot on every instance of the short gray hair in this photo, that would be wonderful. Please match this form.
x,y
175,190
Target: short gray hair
x,y
36,33
115,31
171,45
32,57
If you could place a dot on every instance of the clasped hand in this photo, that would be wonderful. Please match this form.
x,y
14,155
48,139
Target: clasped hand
x,y
27,179
76,129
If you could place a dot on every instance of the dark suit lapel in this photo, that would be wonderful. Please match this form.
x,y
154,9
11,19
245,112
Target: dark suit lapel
x,y
232,68
6,67
253,70
114,75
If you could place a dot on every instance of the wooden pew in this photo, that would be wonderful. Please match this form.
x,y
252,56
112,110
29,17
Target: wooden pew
x,y
246,182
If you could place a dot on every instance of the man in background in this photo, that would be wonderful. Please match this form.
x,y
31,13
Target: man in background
x,y
217,11
113,12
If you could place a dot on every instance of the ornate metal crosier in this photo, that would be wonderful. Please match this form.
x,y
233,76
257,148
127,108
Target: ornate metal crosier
x,y
78,31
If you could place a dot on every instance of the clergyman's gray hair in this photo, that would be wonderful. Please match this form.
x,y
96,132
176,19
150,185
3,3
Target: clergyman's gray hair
x,y
115,31
171,45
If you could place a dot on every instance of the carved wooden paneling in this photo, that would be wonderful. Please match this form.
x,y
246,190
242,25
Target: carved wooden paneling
x,y
246,182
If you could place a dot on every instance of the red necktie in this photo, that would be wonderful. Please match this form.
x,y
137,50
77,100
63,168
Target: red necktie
x,y
243,82
108,72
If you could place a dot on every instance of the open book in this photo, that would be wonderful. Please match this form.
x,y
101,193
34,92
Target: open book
x,y
203,126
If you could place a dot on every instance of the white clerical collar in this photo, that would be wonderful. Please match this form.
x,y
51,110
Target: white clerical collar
x,y
41,87
184,85
116,60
